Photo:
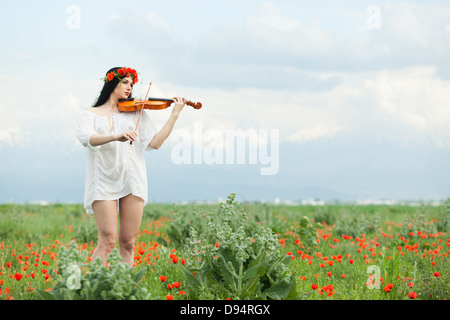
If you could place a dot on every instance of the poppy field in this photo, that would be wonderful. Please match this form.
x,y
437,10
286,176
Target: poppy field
x,y
231,250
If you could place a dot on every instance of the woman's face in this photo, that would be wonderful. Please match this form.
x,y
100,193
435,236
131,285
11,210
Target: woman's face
x,y
123,89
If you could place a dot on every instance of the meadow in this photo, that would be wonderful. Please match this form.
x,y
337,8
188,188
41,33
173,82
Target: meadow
x,y
231,250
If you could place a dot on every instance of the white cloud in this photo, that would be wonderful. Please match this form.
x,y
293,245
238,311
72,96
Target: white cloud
x,y
403,106
8,136
410,33
267,37
314,133
271,16
416,98
267,59
47,115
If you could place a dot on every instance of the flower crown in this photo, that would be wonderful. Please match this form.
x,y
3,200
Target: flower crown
x,y
122,73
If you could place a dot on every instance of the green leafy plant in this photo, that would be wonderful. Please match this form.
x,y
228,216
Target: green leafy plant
x,y
356,224
181,221
85,232
419,222
244,261
78,280
391,271
306,230
443,224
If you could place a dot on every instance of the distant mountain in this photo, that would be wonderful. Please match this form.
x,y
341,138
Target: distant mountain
x,y
328,169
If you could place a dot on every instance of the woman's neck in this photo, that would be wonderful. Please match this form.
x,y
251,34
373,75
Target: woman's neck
x,y
112,102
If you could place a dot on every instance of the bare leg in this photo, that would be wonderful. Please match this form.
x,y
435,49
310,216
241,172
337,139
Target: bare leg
x,y
105,212
131,209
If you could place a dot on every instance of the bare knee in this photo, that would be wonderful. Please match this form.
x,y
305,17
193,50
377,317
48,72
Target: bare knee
x,y
107,242
127,244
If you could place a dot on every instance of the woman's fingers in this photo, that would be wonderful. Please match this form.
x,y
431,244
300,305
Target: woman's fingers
x,y
179,100
129,135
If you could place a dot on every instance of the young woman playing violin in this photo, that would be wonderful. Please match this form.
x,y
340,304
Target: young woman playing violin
x,y
115,177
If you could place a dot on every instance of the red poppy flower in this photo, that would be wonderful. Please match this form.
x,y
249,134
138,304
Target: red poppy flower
x,y
351,261
177,284
121,72
162,278
110,76
437,274
169,297
412,295
314,286
18,276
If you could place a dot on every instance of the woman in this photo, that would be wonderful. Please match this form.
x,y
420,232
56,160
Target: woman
x,y
115,177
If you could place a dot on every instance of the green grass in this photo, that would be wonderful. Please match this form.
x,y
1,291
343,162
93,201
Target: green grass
x,y
385,239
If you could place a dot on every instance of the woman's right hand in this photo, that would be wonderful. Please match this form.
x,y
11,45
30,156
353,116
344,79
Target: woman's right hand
x,y
126,136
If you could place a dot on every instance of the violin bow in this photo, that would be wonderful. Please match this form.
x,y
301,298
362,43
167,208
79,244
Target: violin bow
x,y
148,90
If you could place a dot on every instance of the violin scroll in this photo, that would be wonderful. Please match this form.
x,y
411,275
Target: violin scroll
x,y
197,105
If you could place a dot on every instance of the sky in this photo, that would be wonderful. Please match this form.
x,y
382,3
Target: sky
x,y
301,100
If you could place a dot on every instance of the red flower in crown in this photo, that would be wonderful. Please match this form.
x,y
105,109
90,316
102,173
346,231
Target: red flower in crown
x,y
122,73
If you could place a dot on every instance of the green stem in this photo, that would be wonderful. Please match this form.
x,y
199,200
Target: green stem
x,y
241,265
233,273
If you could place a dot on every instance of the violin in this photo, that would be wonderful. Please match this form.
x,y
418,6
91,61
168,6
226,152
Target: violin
x,y
131,104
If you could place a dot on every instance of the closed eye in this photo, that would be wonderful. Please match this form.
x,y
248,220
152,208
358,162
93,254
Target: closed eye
x,y
126,81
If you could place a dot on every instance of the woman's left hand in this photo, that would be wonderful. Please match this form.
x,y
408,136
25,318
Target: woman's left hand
x,y
179,104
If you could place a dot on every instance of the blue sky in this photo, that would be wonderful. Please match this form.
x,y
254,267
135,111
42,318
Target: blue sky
x,y
357,91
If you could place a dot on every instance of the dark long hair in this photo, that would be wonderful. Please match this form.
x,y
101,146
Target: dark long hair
x,y
108,88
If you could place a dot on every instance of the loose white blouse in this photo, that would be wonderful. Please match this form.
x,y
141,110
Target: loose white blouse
x,y
115,169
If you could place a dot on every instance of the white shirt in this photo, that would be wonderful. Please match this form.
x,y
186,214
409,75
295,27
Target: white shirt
x,y
115,169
